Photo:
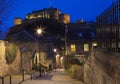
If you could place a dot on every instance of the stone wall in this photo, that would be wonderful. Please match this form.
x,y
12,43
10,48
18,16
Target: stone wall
x,y
3,65
14,68
102,67
26,55
6,68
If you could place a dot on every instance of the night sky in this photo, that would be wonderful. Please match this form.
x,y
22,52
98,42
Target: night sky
x,y
78,9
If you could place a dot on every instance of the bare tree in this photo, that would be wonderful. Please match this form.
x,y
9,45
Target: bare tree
x,y
4,7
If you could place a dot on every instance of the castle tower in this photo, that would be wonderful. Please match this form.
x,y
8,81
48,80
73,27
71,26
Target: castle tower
x,y
17,21
64,18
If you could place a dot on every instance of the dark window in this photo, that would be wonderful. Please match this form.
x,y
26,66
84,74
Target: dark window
x,y
80,34
92,34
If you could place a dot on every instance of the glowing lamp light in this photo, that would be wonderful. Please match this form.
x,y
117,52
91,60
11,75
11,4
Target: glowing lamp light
x,y
58,55
94,44
55,50
39,31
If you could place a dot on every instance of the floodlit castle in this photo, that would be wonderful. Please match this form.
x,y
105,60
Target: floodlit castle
x,y
46,13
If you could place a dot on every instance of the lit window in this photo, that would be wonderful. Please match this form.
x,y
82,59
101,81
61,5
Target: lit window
x,y
31,16
113,45
86,47
94,44
119,44
73,48
48,16
39,16
27,17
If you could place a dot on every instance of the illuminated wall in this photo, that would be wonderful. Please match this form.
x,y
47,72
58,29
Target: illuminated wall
x,y
3,65
65,18
51,13
17,21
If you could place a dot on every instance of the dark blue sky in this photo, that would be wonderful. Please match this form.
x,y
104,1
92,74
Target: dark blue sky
x,y
78,9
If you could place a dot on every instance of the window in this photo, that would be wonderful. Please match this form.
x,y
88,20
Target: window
x,y
92,34
39,16
31,16
27,17
86,47
119,44
80,34
113,45
73,48
94,44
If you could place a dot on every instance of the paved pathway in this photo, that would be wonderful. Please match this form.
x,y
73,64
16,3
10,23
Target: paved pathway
x,y
58,77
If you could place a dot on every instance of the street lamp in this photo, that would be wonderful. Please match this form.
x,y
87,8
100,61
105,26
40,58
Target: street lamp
x,y
39,32
66,30
21,50
55,51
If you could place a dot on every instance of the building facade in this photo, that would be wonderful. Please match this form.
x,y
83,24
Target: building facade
x,y
81,38
108,31
64,18
33,53
25,36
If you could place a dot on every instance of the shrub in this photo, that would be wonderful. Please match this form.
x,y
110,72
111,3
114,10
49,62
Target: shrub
x,y
71,70
11,52
76,72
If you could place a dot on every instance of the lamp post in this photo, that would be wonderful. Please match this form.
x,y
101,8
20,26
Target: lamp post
x,y
55,50
39,32
21,50
66,30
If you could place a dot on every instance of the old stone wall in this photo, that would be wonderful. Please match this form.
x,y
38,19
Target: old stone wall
x,y
3,65
26,55
15,67
102,67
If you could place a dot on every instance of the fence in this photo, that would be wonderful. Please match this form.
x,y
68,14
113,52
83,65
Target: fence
x,y
9,79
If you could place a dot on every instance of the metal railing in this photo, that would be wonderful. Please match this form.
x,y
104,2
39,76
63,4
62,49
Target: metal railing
x,y
9,80
2,78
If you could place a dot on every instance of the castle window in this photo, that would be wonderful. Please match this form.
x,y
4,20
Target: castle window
x,y
27,17
31,16
48,16
39,16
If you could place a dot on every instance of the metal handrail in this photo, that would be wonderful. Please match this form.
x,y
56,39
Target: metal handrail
x,y
4,76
